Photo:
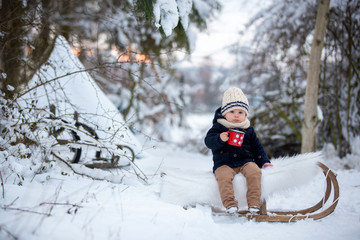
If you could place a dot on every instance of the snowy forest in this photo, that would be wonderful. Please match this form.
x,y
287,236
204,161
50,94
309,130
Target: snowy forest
x,y
105,95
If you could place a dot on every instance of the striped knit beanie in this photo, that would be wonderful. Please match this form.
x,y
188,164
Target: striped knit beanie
x,y
234,98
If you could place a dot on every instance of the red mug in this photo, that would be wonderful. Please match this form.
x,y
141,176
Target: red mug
x,y
236,137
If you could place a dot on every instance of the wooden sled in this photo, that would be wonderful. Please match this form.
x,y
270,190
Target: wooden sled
x,y
293,216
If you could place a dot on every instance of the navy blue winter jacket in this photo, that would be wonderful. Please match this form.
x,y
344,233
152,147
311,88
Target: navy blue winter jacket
x,y
224,154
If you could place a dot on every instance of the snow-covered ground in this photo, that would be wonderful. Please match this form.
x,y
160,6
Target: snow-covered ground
x,y
67,206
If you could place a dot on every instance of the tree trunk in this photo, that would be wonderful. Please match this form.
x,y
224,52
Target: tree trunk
x,y
311,121
43,44
18,66
11,45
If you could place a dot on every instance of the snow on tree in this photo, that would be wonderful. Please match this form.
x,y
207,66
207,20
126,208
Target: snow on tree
x,y
168,12
166,15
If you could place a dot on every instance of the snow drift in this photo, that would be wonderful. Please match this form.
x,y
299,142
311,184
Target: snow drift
x,y
196,187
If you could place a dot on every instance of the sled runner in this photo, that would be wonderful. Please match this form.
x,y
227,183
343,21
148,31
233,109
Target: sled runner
x,y
69,134
315,212
183,188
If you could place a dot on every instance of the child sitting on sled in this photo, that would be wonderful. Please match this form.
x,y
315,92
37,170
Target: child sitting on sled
x,y
230,160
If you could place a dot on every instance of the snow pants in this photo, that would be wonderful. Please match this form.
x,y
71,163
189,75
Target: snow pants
x,y
252,173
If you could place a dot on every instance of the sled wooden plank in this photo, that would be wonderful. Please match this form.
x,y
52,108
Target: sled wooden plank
x,y
276,218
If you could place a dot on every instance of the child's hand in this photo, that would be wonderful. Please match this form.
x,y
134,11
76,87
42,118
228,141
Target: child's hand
x,y
267,165
224,136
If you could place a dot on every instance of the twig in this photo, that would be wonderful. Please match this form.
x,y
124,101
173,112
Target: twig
x,y
72,210
12,203
2,185
50,210
56,197
145,179
60,204
2,227
25,210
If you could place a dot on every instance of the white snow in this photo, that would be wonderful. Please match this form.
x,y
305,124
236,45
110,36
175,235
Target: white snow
x,y
320,113
184,11
166,15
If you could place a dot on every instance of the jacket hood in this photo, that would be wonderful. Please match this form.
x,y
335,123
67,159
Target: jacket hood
x,y
217,115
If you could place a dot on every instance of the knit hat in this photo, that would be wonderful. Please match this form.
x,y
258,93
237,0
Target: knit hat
x,y
234,98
